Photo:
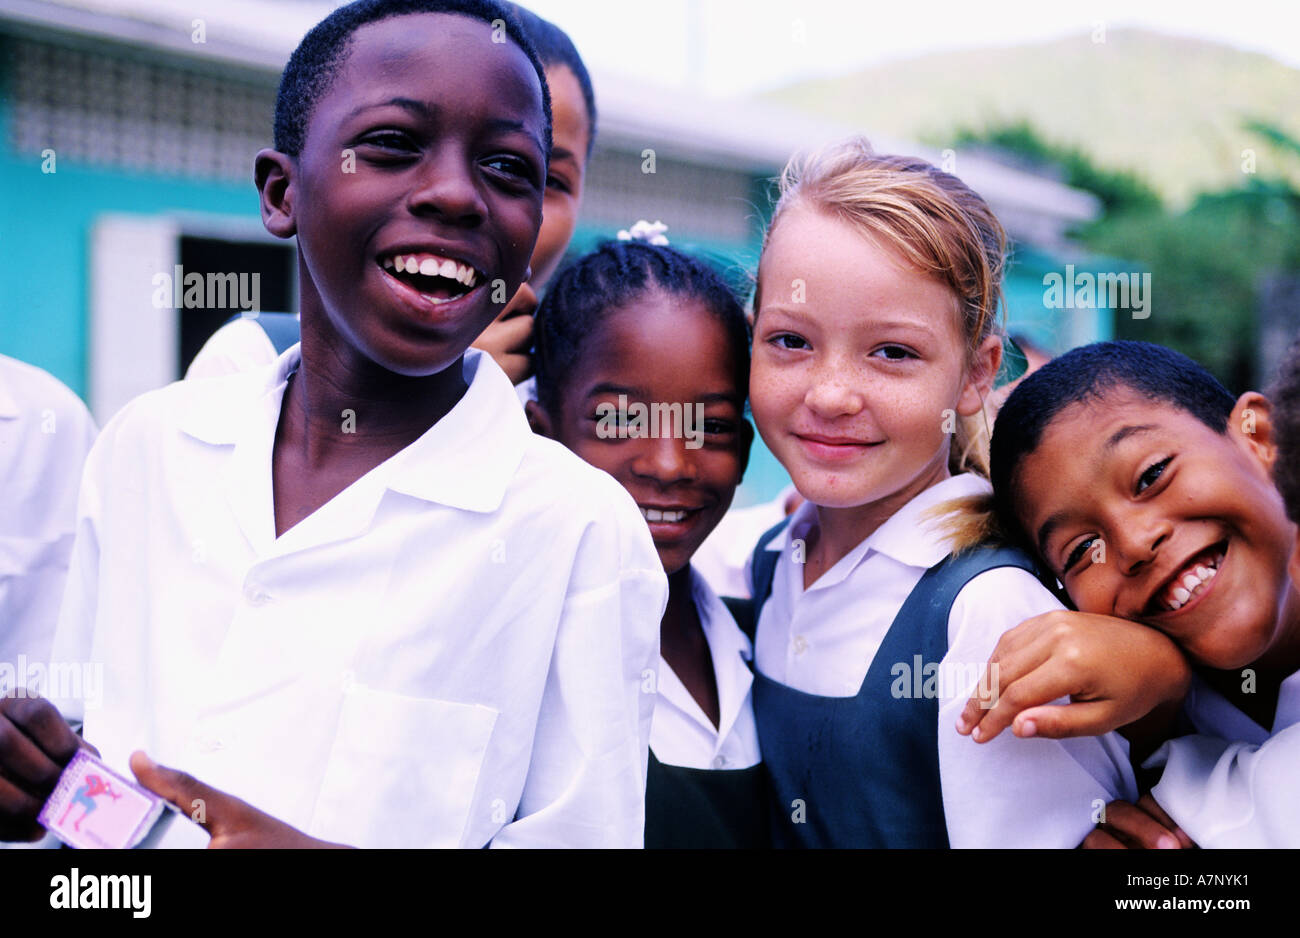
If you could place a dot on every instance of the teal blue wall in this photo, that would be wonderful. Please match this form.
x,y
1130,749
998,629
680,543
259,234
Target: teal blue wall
x,y
45,225
1053,329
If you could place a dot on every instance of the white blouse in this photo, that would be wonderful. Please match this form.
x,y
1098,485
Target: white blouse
x,y
681,734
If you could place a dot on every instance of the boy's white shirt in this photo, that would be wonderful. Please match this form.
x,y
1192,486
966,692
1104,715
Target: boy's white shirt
x,y
1234,786
243,345
1009,792
451,651
681,733
45,434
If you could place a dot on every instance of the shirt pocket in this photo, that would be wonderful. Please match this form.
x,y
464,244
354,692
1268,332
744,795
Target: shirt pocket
x,y
403,771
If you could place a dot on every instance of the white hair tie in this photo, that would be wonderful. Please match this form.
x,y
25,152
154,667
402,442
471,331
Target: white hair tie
x,y
649,232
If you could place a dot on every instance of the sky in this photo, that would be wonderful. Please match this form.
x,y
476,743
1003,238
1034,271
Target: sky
x,y
739,47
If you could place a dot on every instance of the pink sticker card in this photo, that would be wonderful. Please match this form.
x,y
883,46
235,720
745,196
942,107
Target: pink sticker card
x,y
95,807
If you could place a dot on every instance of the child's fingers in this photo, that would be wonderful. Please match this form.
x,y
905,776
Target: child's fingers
x,y
18,811
199,801
1064,721
1151,807
1131,822
515,333
25,763
42,723
1008,697
518,367
508,341
1099,839
1001,672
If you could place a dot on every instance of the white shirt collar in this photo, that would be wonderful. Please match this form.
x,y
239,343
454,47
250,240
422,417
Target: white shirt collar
x,y
908,536
466,460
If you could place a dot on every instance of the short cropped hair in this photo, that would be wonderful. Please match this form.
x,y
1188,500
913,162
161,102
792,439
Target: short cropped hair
x,y
613,275
556,49
1285,396
316,62
1087,373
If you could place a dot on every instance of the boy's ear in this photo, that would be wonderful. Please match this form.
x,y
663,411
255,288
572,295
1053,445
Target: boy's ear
x,y
979,377
1251,422
539,419
273,173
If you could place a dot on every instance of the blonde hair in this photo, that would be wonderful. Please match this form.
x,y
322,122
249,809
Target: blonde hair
x,y
942,227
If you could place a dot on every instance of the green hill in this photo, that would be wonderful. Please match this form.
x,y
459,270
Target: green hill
x,y
1169,108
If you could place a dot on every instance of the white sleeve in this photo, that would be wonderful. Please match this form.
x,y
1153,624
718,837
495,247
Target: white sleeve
x,y
1228,794
1014,792
586,779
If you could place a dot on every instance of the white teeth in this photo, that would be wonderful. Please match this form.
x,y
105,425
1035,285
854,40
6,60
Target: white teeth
x,y
431,266
1184,589
654,514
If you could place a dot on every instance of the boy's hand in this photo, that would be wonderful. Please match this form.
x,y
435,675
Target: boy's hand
x,y
1114,671
35,744
1144,825
509,338
233,824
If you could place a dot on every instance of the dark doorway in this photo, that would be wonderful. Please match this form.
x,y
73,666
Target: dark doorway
x,y
273,264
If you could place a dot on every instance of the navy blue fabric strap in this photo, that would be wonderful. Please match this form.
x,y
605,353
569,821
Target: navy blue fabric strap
x,y
742,610
283,329
863,771
938,588
763,567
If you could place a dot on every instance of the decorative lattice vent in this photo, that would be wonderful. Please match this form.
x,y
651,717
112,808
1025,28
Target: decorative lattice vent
x,y
104,110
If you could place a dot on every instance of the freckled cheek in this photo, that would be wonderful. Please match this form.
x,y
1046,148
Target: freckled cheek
x,y
775,393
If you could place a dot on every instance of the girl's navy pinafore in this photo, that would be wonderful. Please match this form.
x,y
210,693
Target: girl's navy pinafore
x,y
709,808
863,771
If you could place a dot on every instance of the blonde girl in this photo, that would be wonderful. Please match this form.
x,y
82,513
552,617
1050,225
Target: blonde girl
x,y
876,343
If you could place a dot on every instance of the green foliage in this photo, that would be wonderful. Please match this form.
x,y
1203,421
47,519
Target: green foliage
x,y
1118,190
1206,263
1206,266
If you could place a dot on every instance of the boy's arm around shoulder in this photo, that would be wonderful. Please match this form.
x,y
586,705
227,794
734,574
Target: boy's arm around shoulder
x,y
1015,792
585,785
1116,674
